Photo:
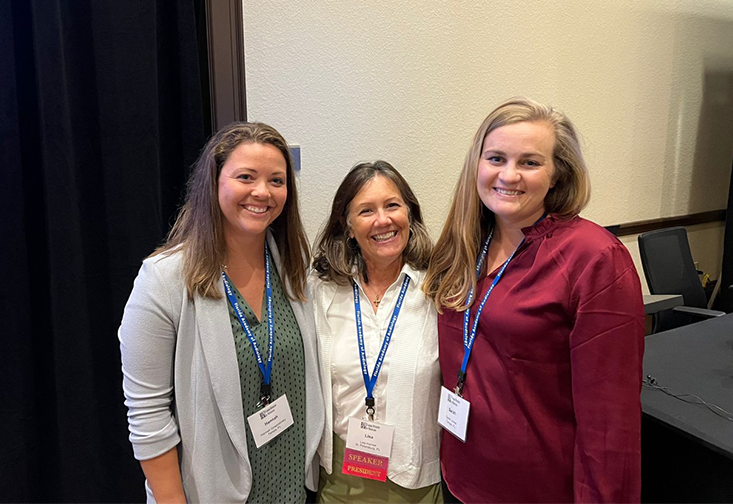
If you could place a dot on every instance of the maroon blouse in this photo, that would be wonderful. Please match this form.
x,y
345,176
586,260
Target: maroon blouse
x,y
554,377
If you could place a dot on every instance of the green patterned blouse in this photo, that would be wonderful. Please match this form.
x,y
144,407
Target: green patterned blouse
x,y
278,468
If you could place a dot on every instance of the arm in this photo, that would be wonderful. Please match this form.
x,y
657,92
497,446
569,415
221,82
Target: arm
x,y
164,477
147,344
606,348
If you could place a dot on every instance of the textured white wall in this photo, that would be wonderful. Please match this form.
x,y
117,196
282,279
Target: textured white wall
x,y
648,83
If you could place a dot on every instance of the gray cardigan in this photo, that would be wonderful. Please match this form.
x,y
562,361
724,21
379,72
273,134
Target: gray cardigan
x,y
181,383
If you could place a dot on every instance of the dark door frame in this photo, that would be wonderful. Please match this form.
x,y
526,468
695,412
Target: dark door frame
x,y
225,40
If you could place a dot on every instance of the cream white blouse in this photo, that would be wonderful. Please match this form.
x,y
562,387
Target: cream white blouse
x,y
408,389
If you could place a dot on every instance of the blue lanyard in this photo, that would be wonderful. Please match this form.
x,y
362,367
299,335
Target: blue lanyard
x,y
265,369
470,336
369,382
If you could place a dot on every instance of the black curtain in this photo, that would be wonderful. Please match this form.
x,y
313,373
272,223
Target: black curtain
x,y
103,109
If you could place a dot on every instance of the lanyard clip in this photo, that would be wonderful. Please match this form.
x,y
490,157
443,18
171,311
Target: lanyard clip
x,y
370,408
265,393
461,381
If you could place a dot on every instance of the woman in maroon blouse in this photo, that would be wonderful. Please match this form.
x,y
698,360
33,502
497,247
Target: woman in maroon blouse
x,y
552,367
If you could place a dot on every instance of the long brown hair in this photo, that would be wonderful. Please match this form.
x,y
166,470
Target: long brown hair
x,y
337,255
451,272
199,230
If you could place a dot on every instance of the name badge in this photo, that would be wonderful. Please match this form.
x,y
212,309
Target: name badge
x,y
368,446
453,413
271,421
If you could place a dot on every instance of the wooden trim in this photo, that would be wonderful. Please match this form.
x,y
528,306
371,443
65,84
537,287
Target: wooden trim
x,y
225,36
637,227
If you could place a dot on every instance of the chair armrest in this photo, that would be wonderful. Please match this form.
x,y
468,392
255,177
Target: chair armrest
x,y
698,312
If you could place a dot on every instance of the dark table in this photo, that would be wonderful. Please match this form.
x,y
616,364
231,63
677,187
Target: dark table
x,y
687,450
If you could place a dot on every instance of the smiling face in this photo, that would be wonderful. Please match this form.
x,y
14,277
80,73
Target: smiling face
x,y
516,171
379,221
252,189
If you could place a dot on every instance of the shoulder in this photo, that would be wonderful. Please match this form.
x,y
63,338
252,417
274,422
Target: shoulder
x,y
158,291
415,297
579,229
593,259
581,238
166,267
166,262
582,249
319,289
161,276
417,277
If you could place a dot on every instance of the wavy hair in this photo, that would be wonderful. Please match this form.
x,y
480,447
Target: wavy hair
x,y
451,273
199,227
336,255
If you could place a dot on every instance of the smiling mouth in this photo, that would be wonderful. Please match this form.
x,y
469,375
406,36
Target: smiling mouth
x,y
255,209
384,236
507,192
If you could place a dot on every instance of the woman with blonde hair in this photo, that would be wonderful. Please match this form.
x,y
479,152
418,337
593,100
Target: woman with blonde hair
x,y
378,343
541,328
218,344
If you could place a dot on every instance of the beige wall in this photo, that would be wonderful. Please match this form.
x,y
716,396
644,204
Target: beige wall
x,y
648,83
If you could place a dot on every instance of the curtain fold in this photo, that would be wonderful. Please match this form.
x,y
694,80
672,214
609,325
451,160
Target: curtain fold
x,y
102,113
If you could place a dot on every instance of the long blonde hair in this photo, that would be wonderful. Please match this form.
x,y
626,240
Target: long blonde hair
x,y
199,231
451,273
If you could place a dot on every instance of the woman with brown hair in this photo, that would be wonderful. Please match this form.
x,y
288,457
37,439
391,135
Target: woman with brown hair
x,y
377,338
542,324
217,339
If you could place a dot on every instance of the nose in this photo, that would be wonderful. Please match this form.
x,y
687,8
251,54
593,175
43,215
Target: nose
x,y
509,174
382,218
260,190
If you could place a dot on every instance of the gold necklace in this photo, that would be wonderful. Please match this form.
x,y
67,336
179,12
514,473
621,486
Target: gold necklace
x,y
376,299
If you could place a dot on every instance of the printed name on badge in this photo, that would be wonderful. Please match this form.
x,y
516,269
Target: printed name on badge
x,y
368,447
453,413
271,421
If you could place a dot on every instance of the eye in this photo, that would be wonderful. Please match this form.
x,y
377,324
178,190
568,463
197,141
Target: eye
x,y
365,211
532,163
394,204
494,159
278,181
244,176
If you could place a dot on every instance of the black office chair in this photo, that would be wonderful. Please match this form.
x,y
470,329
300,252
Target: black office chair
x,y
669,269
